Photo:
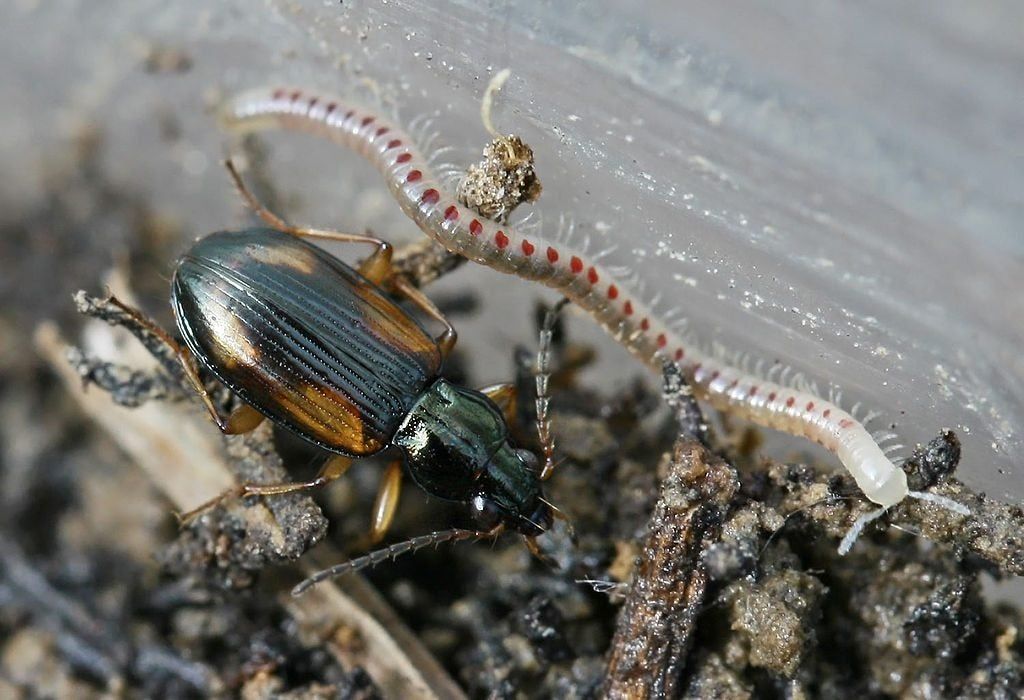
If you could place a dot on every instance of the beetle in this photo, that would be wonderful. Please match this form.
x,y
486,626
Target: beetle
x,y
321,349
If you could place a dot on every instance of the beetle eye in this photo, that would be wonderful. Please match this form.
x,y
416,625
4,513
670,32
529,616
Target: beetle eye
x,y
486,513
529,459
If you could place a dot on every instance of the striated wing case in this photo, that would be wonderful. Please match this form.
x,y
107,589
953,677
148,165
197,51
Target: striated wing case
x,y
302,337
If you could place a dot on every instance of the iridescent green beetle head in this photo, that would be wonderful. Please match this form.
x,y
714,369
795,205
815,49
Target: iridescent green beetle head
x,y
510,494
457,447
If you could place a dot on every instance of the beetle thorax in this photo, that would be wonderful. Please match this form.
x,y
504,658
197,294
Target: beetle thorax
x,y
457,448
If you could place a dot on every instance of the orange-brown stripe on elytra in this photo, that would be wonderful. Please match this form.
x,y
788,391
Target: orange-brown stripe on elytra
x,y
335,421
291,257
326,416
234,347
389,321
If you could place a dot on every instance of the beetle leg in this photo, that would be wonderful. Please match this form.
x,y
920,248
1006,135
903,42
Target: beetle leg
x,y
504,395
229,425
445,341
387,501
243,419
147,323
547,441
376,268
333,468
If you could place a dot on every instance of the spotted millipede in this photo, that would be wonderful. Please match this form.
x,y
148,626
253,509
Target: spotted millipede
x,y
423,198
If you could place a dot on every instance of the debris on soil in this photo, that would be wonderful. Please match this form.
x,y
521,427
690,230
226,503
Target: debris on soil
x,y
502,180
425,261
231,539
505,177
668,588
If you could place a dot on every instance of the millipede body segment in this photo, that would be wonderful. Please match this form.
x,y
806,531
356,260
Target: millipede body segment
x,y
459,229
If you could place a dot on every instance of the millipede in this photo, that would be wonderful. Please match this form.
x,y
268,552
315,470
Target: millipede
x,y
421,195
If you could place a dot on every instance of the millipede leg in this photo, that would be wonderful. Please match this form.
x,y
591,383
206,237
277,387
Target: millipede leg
x,y
386,504
333,468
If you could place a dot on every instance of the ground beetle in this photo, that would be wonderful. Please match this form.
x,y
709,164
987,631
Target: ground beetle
x,y
320,349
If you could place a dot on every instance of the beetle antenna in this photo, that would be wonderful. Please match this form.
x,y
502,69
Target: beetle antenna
x,y
547,442
391,552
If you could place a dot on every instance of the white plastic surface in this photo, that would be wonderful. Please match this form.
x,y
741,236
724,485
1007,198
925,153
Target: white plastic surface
x,y
835,184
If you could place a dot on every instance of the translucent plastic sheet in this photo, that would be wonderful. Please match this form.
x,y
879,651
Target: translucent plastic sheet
x,y
837,185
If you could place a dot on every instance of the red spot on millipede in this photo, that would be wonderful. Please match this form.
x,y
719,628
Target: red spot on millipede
x,y
430,196
732,384
613,292
451,213
771,396
296,95
714,375
628,308
501,239
528,248
790,401
645,325
331,106
394,143
404,157
845,423
381,131
576,265
349,114
592,275
552,255
810,405
662,341
680,353
475,227
413,176
312,102
367,121
753,391
827,412
278,94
